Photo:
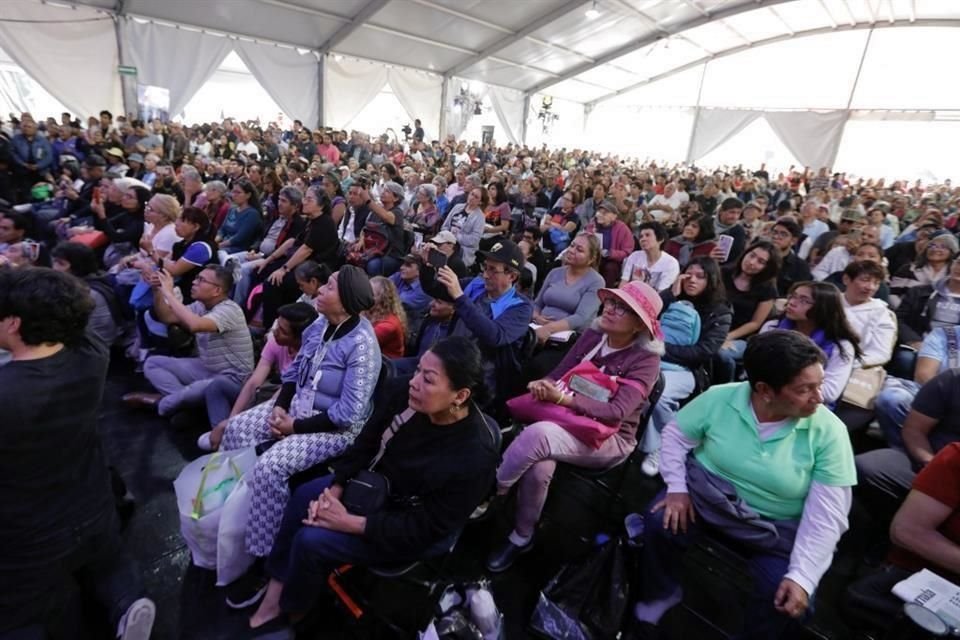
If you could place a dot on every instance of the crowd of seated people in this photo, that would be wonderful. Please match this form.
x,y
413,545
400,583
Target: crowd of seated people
x,y
266,282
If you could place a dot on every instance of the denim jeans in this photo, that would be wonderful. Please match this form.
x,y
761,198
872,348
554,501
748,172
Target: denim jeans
x,y
677,387
662,568
382,266
303,556
727,360
220,395
892,407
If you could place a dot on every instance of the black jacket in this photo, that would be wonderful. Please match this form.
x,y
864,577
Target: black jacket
x,y
447,470
793,270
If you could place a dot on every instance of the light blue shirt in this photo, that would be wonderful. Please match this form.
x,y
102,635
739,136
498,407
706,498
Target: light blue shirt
x,y
936,348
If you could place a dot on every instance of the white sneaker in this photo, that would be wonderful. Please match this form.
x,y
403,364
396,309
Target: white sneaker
x,y
651,464
203,442
137,622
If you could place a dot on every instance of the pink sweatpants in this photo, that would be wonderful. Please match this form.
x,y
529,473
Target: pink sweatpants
x,y
532,458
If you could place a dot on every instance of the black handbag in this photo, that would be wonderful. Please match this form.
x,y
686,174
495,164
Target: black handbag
x,y
368,491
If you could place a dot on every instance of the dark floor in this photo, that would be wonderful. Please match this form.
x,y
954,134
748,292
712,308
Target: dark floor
x,y
149,454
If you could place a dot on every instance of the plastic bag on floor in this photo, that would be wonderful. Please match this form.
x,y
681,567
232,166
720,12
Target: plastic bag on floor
x,y
202,489
466,611
232,557
587,600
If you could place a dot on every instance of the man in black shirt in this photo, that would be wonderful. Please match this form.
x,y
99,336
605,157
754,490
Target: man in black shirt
x,y
58,526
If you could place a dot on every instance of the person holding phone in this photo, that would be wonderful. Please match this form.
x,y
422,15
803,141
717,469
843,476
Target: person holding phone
x,y
728,224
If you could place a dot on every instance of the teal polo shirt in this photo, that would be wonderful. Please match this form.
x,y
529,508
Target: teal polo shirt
x,y
773,477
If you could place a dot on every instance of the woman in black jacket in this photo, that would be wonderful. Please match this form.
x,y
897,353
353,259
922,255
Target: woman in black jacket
x,y
684,367
124,227
440,462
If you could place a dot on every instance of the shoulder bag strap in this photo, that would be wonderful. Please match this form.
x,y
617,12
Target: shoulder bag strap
x,y
953,349
389,432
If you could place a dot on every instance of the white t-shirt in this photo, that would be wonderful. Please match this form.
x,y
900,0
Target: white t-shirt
x,y
673,201
248,148
164,239
660,275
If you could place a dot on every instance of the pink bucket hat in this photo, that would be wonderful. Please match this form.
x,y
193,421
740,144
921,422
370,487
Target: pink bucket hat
x,y
642,299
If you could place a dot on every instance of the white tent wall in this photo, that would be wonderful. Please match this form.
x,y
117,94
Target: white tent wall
x,y
508,105
19,92
178,59
233,91
904,149
349,85
661,135
383,114
290,77
420,93
757,144
70,52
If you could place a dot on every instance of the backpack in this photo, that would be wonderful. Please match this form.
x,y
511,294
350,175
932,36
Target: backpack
x,y
105,288
680,324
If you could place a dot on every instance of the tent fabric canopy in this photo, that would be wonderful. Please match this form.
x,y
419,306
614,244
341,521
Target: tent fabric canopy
x,y
726,59
71,53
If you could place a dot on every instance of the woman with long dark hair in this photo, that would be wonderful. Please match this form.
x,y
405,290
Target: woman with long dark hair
x,y
684,366
815,309
698,238
751,286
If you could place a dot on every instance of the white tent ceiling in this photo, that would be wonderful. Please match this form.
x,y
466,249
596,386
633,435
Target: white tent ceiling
x,y
538,45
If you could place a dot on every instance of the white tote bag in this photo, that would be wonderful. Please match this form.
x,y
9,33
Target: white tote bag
x,y
202,489
232,557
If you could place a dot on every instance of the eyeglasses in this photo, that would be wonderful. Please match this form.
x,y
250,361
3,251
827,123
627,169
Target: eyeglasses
x,y
491,270
617,308
937,245
777,233
801,299
203,280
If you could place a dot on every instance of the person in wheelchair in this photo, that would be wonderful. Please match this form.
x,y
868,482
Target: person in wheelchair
x,y
439,459
771,472
625,343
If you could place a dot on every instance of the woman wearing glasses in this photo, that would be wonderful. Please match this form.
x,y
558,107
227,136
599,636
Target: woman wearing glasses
x,y
931,265
815,309
325,399
624,342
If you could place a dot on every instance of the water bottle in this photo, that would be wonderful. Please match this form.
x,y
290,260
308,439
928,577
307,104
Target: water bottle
x,y
483,611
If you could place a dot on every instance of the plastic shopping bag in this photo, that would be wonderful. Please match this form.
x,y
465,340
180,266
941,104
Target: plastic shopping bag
x,y
586,600
232,557
202,488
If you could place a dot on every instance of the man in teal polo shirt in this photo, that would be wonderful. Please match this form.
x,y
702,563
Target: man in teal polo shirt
x,y
773,444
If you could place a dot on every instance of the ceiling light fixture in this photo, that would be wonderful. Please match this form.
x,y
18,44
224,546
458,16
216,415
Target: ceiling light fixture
x,y
592,13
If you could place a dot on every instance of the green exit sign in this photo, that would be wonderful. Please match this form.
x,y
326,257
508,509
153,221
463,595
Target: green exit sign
x,y
124,70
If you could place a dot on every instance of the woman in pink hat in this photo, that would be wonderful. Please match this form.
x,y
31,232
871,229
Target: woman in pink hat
x,y
624,342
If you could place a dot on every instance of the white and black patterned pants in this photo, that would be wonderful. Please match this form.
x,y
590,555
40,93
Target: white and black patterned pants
x,y
270,476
